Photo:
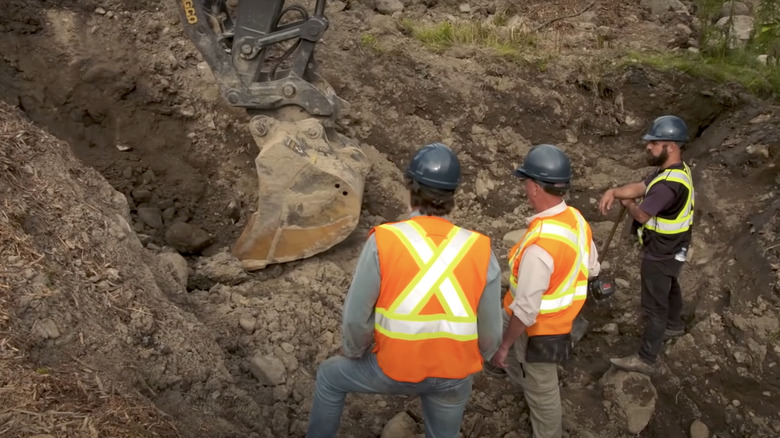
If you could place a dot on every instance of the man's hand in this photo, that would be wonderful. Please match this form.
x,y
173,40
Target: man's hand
x,y
499,359
605,204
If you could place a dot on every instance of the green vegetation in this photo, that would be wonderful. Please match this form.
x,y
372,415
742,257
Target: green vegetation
x,y
720,60
370,41
504,41
738,67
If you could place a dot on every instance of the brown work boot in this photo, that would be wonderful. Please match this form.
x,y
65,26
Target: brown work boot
x,y
633,363
669,333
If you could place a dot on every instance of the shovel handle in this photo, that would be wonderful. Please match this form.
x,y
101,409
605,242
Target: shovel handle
x,y
603,251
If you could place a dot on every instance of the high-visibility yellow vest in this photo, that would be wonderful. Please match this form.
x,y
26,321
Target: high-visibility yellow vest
x,y
684,219
567,238
432,277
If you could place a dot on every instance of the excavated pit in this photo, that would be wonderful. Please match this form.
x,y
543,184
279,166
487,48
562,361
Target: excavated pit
x,y
134,101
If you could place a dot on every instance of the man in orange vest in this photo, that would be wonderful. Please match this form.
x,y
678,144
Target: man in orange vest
x,y
550,267
423,309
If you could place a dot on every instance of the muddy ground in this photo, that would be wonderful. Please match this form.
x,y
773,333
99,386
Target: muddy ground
x,y
107,331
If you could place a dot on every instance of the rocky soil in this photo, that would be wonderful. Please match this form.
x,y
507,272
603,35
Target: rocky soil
x,y
124,178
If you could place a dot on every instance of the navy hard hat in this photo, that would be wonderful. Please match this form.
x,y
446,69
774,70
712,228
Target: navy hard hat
x,y
435,165
546,163
667,128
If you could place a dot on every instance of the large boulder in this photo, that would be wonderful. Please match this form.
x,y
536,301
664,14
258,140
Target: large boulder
x,y
632,397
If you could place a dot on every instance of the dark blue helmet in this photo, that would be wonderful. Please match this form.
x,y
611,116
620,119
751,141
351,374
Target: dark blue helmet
x,y
547,165
435,165
667,128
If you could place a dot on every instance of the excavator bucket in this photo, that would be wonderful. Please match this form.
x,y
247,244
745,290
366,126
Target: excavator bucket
x,y
310,191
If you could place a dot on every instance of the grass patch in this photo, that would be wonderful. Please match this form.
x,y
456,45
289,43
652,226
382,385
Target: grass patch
x,y
504,41
371,42
738,68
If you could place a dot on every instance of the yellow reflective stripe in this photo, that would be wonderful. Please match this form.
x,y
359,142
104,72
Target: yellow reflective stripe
x,y
580,248
453,303
548,229
551,306
554,305
402,236
571,289
561,232
684,218
434,317
424,336
429,327
581,290
683,176
669,227
423,236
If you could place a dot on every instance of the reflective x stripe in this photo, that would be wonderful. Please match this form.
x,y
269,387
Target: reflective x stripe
x,y
402,319
413,297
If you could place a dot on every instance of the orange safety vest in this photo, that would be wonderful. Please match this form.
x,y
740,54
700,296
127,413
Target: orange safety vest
x,y
567,237
432,277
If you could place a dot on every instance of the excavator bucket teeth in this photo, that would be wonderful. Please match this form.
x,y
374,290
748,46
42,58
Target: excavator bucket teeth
x,y
310,192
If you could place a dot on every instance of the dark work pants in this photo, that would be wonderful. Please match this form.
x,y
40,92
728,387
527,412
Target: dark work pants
x,y
661,304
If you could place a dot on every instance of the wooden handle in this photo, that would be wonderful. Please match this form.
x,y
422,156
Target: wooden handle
x,y
603,251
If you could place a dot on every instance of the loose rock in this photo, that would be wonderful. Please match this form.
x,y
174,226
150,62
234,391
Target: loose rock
x,y
699,430
178,265
47,329
247,322
389,7
142,195
268,370
660,7
610,328
738,28
400,426
151,216
731,8
634,395
186,238
221,268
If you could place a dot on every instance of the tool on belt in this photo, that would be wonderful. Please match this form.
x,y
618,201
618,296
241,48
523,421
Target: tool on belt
x,y
603,286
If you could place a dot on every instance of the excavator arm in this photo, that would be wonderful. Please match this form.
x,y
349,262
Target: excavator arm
x,y
310,177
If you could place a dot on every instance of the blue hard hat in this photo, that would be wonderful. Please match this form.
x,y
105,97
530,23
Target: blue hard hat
x,y
547,164
667,128
435,165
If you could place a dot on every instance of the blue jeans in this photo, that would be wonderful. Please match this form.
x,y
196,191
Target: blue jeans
x,y
443,400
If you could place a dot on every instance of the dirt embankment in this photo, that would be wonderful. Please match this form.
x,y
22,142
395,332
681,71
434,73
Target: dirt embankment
x,y
106,331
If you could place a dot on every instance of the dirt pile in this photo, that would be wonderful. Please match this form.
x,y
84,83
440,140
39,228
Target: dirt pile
x,y
114,333
94,326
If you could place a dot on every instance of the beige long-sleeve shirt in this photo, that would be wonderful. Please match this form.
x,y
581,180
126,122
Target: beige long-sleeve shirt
x,y
534,272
